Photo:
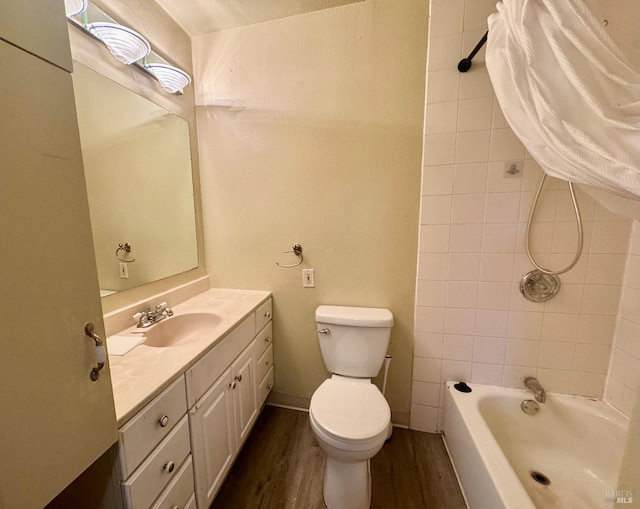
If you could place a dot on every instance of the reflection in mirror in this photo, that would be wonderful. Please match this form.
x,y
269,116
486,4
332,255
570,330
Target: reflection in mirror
x,y
137,164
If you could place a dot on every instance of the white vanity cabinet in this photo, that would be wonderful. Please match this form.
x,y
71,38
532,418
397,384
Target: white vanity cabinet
x,y
222,417
155,453
176,451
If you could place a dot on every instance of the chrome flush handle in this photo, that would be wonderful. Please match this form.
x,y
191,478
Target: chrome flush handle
x,y
324,331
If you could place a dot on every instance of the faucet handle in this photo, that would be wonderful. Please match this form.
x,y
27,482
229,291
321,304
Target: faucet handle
x,y
138,316
161,306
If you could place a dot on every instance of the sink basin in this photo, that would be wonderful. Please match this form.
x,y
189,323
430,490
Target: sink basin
x,y
181,329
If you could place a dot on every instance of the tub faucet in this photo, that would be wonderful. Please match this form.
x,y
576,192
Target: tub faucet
x,y
536,389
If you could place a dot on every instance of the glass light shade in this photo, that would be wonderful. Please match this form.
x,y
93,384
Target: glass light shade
x,y
171,78
75,7
126,45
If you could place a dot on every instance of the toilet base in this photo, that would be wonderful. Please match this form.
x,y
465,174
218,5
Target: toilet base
x,y
347,485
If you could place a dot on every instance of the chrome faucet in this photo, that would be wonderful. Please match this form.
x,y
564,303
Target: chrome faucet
x,y
148,317
536,389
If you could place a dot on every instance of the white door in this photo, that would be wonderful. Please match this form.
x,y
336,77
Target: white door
x,y
212,438
55,421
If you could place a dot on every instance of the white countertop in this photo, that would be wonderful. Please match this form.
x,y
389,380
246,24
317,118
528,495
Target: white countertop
x,y
141,374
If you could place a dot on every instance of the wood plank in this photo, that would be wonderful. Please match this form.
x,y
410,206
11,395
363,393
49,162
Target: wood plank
x,y
282,466
413,470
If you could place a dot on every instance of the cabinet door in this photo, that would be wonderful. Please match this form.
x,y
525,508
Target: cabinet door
x,y
39,27
55,420
213,442
244,393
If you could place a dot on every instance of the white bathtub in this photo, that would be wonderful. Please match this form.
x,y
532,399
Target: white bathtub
x,y
577,443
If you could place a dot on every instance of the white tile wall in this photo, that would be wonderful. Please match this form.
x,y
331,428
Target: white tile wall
x,y
472,323
623,379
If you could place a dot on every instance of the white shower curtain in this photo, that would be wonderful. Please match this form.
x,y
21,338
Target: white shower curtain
x,y
568,92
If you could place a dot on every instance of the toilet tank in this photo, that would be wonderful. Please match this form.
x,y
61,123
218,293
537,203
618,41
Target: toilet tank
x,y
353,340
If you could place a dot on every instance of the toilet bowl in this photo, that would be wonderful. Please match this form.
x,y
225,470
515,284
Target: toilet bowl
x,y
350,419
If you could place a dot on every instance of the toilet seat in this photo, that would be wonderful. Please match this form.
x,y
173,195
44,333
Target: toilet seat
x,y
350,410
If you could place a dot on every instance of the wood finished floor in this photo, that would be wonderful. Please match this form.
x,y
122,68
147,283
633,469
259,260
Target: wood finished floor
x,y
281,466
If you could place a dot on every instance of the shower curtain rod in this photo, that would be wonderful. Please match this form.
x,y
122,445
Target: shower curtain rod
x,y
465,64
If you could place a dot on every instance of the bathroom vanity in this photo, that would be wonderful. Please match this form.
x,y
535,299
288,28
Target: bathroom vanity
x,y
185,409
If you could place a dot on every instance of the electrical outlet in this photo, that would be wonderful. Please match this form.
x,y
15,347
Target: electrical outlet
x,y
308,280
124,271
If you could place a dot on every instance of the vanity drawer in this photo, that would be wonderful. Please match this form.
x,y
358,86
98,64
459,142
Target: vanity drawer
x,y
264,363
263,315
265,387
142,433
264,339
180,490
146,483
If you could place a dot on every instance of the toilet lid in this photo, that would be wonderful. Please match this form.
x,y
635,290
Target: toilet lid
x,y
350,410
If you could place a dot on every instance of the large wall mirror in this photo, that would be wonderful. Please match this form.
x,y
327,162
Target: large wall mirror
x,y
137,161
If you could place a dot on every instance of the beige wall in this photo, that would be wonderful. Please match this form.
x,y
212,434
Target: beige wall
x,y
310,132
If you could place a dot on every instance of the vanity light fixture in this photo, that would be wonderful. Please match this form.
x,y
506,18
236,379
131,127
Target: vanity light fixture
x,y
171,78
75,7
126,45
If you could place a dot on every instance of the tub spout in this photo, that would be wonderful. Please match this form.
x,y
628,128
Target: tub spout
x,y
536,389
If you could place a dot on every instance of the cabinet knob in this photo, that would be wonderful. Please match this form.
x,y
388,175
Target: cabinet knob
x,y
268,314
266,363
169,467
233,385
164,420
267,339
238,378
269,386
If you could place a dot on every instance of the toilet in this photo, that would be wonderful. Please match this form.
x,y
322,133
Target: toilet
x,y
349,415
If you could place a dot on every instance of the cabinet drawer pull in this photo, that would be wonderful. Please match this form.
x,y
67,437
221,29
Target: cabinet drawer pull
x,y
169,467
268,314
238,378
266,363
163,421
267,339
232,385
269,386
